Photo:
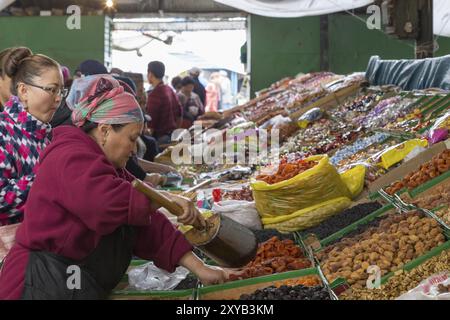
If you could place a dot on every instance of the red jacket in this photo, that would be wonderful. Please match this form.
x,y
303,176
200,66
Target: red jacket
x,y
78,197
164,108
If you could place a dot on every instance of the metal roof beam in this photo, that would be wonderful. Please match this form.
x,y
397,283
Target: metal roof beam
x,y
178,26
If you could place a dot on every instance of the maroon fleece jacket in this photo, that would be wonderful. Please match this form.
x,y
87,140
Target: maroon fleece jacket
x,y
78,197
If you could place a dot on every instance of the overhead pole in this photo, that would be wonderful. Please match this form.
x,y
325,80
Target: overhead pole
x,y
425,40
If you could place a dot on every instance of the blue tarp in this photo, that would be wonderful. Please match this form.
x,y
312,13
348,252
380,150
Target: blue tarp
x,y
410,74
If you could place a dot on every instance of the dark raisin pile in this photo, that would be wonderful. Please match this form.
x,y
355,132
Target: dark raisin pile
x,y
342,220
289,293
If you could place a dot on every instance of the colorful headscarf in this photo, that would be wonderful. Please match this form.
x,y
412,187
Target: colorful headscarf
x,y
101,99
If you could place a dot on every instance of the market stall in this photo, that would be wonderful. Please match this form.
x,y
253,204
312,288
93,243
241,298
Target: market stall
x,y
362,184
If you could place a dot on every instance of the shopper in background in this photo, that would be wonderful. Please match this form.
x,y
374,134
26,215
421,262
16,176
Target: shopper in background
x,y
91,67
226,95
84,211
176,83
162,105
5,81
213,93
36,92
190,101
199,89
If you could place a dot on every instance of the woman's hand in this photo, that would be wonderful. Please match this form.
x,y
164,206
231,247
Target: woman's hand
x,y
209,275
155,179
190,211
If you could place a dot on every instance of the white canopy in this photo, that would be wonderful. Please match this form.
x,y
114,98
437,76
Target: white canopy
x,y
303,8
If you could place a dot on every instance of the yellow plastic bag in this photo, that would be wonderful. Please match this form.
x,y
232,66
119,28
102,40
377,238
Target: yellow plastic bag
x,y
398,152
354,179
309,217
312,187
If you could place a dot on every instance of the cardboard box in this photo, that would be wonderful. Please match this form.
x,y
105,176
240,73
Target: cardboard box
x,y
401,171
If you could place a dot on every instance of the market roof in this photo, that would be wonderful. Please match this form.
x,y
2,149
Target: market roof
x,y
130,6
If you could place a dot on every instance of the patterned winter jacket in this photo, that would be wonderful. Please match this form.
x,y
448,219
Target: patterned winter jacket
x,y
22,138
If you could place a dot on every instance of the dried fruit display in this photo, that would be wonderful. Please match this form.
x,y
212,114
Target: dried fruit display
x,y
309,281
429,170
244,194
398,240
289,293
287,171
402,281
274,256
342,220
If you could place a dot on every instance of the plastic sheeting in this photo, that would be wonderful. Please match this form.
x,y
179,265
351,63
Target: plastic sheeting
x,y
303,8
410,74
294,8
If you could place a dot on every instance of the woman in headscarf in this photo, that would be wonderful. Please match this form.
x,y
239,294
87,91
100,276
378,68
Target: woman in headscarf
x,y
83,213
134,165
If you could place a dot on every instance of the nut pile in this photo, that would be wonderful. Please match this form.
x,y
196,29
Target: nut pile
x,y
342,220
398,240
402,281
429,170
274,256
444,214
289,293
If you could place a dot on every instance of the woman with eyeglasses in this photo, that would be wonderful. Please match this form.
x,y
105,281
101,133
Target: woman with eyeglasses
x,y
36,92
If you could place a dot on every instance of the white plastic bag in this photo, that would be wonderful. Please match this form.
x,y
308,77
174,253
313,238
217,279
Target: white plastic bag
x,y
429,289
148,277
240,211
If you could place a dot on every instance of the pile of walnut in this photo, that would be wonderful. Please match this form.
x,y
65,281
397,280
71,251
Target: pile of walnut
x,y
401,282
429,170
274,256
398,240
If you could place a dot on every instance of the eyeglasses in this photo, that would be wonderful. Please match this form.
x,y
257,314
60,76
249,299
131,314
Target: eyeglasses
x,y
62,92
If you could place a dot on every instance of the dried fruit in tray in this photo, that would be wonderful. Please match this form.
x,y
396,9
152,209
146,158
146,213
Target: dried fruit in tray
x,y
342,220
287,170
438,196
309,281
274,256
438,165
402,281
289,293
444,214
398,240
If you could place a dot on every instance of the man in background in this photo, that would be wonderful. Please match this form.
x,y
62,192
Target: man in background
x,y
162,105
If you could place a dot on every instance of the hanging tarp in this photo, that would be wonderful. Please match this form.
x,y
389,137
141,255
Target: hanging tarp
x,y
441,17
303,8
410,74
294,8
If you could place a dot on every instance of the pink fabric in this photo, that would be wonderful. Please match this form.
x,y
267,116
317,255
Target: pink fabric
x,y
106,101
212,98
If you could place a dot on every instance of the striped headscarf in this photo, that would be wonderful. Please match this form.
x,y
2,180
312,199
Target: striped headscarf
x,y
101,99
